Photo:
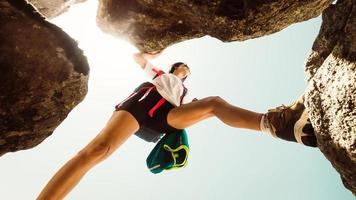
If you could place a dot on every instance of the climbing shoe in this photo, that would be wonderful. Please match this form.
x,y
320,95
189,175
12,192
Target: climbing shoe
x,y
292,123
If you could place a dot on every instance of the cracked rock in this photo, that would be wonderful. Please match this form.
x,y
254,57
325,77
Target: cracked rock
x,y
153,25
43,76
331,94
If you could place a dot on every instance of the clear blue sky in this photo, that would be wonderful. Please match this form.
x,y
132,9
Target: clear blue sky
x,y
224,163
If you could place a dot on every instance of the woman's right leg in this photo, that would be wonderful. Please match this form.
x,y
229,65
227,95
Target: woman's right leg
x,y
288,122
118,129
191,113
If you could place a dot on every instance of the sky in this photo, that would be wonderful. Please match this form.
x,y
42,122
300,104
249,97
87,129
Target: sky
x,y
224,162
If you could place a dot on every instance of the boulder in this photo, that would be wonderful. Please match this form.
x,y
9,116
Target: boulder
x,y
43,76
53,8
152,25
331,95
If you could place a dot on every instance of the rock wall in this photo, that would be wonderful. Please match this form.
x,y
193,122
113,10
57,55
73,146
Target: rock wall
x,y
331,95
153,25
330,99
53,8
43,76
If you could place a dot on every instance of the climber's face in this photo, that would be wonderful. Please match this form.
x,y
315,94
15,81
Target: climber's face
x,y
182,71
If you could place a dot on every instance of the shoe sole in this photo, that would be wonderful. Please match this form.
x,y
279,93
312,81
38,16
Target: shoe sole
x,y
299,125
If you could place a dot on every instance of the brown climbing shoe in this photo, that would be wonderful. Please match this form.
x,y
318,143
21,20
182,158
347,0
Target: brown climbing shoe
x,y
292,123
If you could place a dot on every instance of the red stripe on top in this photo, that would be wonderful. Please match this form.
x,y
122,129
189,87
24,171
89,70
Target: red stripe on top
x,y
158,72
158,104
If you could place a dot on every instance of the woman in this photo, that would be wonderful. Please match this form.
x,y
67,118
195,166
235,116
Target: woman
x,y
163,107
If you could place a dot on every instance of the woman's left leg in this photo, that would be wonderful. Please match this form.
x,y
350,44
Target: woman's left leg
x,y
191,113
118,129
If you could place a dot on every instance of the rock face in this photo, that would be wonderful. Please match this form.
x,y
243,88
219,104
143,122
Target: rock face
x,y
53,8
331,95
43,76
154,24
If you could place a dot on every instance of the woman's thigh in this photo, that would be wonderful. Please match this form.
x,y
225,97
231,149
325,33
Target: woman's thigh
x,y
118,129
188,114
121,125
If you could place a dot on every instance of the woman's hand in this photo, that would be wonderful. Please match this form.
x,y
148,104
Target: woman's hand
x,y
141,57
151,55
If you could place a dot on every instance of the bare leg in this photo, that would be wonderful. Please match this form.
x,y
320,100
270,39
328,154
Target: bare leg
x,y
119,128
191,113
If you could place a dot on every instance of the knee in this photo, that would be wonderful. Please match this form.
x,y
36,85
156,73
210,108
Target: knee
x,y
214,102
95,151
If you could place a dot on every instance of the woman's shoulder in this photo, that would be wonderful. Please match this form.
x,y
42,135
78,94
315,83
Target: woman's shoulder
x,y
146,84
170,76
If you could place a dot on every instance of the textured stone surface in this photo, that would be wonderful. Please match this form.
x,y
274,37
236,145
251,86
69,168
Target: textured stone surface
x,y
331,95
43,76
53,8
154,24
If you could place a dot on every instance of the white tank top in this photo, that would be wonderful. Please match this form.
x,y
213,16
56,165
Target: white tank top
x,y
168,85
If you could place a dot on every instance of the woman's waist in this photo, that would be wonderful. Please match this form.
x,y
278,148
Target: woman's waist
x,y
156,89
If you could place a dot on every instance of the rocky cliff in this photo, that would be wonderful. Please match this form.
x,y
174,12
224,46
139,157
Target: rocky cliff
x,y
43,76
153,25
40,87
53,8
331,96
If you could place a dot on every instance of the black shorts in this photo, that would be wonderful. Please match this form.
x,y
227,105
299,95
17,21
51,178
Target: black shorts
x,y
152,127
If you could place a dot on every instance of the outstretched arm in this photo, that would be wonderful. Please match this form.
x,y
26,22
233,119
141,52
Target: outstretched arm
x,y
141,58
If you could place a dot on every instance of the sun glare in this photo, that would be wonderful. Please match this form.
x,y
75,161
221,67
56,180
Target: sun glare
x,y
110,58
100,48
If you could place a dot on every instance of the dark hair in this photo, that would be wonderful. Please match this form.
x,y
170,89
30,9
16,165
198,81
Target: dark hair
x,y
175,66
